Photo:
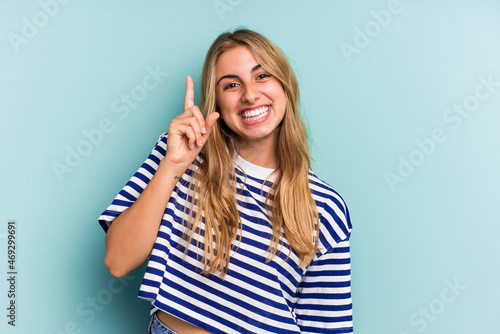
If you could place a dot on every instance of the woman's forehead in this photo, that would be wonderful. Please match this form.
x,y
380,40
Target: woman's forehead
x,y
237,59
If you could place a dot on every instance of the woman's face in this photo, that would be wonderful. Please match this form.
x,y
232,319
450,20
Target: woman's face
x,y
252,102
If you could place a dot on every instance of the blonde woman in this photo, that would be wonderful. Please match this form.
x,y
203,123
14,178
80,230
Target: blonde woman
x,y
241,235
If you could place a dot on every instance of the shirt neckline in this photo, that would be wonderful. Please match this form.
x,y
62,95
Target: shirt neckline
x,y
253,170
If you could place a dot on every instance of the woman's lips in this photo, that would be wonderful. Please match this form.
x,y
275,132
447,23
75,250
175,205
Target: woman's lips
x,y
255,116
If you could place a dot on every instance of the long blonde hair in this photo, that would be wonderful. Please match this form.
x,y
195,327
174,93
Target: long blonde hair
x,y
290,202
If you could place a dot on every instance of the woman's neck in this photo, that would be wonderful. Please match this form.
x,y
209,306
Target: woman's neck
x,y
261,152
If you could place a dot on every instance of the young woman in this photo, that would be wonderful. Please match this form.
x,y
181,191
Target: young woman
x,y
241,235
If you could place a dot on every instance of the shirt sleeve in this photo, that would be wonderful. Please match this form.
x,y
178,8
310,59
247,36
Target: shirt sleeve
x,y
136,185
324,303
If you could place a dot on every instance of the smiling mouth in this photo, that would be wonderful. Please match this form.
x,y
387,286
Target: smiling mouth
x,y
255,114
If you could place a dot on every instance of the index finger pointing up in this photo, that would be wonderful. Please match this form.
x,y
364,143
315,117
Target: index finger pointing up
x,y
189,98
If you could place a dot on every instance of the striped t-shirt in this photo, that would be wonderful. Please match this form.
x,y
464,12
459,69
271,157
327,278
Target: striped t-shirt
x,y
254,296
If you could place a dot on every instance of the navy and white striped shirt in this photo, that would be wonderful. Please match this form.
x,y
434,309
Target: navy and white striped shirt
x,y
254,296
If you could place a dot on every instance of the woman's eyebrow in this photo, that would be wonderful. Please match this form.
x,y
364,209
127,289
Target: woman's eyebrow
x,y
255,68
231,76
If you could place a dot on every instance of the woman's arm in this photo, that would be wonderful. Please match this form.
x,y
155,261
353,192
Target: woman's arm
x,y
131,236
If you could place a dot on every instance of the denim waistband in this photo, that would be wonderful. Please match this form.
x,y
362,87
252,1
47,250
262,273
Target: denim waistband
x,y
157,327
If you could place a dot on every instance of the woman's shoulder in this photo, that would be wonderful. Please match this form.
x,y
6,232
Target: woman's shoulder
x,y
332,208
160,147
323,191
163,138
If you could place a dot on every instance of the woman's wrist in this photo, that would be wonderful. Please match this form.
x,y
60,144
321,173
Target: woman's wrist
x,y
172,170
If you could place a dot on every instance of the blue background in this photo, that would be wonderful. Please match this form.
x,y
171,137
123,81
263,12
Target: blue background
x,y
371,90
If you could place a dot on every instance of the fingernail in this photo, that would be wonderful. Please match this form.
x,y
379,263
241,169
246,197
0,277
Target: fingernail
x,y
203,130
200,142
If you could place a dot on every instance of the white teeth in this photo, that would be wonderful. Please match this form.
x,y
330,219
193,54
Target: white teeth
x,y
252,115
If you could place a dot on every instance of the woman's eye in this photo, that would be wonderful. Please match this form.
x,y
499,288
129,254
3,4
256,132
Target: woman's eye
x,y
231,85
263,75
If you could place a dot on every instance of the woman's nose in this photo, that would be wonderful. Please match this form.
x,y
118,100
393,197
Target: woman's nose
x,y
250,94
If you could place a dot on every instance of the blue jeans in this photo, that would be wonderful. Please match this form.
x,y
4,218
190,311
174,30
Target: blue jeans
x,y
157,327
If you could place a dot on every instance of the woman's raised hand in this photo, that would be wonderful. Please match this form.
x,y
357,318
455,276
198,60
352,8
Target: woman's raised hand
x,y
189,131
132,234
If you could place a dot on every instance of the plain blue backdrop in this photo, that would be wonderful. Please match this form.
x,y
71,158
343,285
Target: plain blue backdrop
x,y
402,101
